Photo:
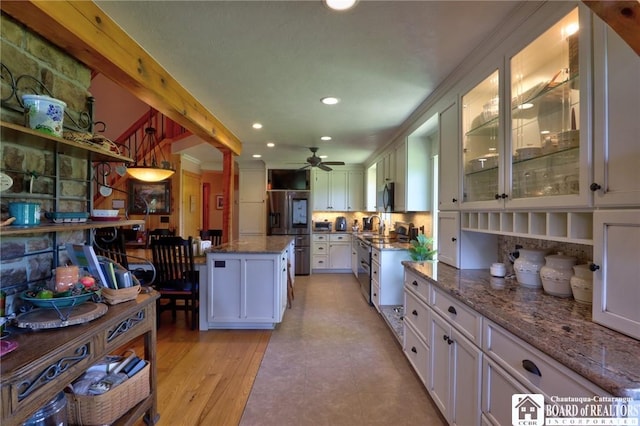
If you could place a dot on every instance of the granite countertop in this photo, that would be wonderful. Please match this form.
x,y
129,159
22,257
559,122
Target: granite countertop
x,y
561,328
271,244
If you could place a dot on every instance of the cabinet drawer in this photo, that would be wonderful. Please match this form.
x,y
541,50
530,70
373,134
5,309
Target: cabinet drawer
x,y
375,294
320,248
340,237
375,272
466,320
319,261
417,313
416,351
419,286
375,255
320,237
497,388
533,368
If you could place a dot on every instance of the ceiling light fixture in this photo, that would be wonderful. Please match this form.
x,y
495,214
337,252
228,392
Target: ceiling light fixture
x,y
152,172
340,5
271,144
325,138
329,100
256,126
256,155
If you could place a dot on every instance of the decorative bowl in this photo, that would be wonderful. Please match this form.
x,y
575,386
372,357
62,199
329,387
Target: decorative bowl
x,y
58,302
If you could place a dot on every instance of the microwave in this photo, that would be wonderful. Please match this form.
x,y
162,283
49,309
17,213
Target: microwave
x,y
384,198
323,226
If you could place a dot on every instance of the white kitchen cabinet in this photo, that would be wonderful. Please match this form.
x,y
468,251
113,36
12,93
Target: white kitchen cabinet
x,y
449,159
252,213
245,290
338,190
456,371
464,249
340,251
615,282
388,273
320,251
497,388
417,352
616,120
355,262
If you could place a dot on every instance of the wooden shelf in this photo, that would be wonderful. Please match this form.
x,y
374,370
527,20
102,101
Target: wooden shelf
x,y
31,138
62,227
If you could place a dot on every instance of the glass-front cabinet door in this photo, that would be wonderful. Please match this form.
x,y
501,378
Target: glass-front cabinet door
x,y
481,142
545,114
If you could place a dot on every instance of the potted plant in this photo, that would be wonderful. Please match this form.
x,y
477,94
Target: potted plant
x,y
421,248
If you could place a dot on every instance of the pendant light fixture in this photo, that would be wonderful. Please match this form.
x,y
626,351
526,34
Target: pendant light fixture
x,y
154,172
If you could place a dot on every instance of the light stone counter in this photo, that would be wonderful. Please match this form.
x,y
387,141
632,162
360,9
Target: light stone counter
x,y
561,328
268,244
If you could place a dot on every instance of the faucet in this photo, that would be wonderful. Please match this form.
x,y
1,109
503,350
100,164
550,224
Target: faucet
x,y
380,223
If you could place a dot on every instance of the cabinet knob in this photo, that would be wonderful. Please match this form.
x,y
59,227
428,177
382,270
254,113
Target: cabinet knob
x,y
452,310
415,312
531,367
594,187
375,294
454,200
415,283
414,350
501,196
454,239
447,339
497,196
593,267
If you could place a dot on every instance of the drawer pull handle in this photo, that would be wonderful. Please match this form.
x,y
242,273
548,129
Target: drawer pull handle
x,y
415,283
414,350
531,367
593,267
415,312
447,339
452,310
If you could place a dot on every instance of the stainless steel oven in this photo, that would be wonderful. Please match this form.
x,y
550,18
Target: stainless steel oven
x,y
364,269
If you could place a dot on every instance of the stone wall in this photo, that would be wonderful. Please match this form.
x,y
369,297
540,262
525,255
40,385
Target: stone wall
x,y
29,259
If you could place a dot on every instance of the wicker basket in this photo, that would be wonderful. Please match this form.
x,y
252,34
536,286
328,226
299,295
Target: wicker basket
x,y
113,297
108,407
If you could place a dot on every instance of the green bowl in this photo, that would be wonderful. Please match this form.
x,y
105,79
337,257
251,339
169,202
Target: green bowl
x,y
59,302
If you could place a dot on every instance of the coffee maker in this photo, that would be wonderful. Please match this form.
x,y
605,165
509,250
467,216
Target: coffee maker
x,y
341,223
367,223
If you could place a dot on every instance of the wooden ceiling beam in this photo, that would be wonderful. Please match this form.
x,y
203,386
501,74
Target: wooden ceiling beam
x,y
83,30
622,16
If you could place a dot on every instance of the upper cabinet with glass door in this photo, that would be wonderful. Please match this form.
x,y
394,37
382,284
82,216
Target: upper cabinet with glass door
x,y
545,114
481,142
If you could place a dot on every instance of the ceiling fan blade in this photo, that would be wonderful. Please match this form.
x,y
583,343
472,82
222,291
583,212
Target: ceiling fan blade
x,y
333,163
325,168
305,167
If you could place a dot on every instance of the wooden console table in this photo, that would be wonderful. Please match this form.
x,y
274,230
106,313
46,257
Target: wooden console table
x,y
47,360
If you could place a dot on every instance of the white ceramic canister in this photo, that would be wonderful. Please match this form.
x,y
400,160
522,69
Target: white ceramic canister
x,y
527,267
556,274
44,114
582,284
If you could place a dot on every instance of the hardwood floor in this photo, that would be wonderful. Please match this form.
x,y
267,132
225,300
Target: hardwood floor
x,y
204,378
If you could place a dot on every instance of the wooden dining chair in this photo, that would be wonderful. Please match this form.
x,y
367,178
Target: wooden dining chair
x,y
176,277
159,233
214,235
110,242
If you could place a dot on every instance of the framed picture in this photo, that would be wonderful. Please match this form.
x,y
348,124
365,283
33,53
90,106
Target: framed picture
x,y
219,202
154,195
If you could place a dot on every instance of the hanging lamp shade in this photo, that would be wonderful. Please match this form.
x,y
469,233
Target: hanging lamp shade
x,y
153,172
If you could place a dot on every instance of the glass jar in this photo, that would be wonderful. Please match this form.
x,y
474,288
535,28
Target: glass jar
x,y
527,267
582,284
556,274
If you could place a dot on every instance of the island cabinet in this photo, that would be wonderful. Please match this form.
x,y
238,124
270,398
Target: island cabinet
x,y
46,361
244,289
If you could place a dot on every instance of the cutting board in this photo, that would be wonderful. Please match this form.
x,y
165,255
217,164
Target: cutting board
x,y
39,319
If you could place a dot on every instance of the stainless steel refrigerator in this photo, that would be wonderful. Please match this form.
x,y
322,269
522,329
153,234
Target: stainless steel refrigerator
x,y
289,213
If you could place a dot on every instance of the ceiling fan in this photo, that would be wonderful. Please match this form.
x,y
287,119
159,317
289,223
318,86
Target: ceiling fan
x,y
315,161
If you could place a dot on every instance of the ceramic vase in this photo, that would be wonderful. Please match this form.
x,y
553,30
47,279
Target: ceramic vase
x,y
556,274
527,267
582,284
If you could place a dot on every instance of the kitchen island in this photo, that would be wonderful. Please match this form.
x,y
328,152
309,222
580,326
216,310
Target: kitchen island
x,y
243,284
512,339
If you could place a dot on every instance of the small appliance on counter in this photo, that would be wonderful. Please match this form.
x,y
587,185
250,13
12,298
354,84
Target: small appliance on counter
x,y
325,226
403,231
367,223
341,224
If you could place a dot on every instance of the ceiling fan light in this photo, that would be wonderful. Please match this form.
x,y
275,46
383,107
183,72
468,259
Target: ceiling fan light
x,y
325,138
329,100
340,4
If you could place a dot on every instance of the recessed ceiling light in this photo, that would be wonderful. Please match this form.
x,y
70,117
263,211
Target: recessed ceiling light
x,y
329,100
325,138
322,156
545,132
257,126
256,155
340,4
525,106
271,144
